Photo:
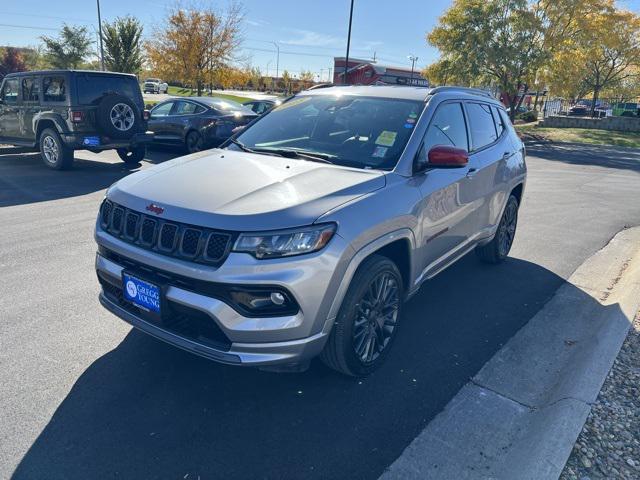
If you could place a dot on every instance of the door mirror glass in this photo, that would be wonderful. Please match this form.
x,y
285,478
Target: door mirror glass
x,y
444,156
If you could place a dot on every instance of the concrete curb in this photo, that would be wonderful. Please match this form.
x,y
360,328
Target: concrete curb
x,y
519,417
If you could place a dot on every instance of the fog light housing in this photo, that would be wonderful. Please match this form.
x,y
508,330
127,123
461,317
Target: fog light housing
x,y
277,298
263,302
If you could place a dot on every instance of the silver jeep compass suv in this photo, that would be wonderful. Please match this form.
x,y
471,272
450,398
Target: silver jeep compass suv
x,y
307,231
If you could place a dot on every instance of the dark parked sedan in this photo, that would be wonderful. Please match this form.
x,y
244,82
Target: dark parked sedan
x,y
197,122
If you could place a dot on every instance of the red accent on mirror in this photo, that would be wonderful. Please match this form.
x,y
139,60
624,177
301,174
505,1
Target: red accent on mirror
x,y
445,156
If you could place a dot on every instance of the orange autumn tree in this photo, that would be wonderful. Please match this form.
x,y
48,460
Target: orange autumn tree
x,y
195,43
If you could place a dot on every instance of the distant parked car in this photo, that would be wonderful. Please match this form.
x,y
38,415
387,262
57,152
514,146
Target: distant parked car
x,y
59,111
584,110
579,110
197,122
262,106
155,85
521,109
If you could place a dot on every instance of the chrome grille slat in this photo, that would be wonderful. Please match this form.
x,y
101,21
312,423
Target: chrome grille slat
x,y
188,242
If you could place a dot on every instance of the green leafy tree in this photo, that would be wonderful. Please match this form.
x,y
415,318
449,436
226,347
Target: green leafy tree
x,y
122,45
69,49
503,42
306,77
286,81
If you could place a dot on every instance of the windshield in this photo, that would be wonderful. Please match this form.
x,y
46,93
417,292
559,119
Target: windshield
x,y
153,80
365,132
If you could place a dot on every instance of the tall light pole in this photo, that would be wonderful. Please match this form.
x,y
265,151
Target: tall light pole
x,y
277,59
346,60
413,59
100,34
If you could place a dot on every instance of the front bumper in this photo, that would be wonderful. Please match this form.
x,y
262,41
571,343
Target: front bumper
x,y
283,340
77,141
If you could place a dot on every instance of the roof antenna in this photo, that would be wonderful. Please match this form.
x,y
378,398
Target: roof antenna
x,y
374,57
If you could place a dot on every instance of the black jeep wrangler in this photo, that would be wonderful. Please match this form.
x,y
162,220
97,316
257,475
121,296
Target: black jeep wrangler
x,y
59,111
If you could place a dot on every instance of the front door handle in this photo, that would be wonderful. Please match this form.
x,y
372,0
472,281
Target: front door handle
x,y
471,172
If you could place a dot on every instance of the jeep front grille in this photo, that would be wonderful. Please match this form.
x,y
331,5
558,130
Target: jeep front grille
x,y
187,242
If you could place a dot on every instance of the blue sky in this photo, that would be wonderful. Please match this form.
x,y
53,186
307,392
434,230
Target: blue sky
x,y
309,32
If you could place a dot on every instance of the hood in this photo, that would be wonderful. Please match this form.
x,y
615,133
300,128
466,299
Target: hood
x,y
242,191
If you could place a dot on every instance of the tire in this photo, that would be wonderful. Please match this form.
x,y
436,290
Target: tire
x,y
55,154
132,156
193,142
348,349
498,248
118,116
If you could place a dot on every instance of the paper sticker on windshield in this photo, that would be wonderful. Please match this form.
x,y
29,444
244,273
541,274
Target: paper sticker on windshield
x,y
379,152
293,103
386,138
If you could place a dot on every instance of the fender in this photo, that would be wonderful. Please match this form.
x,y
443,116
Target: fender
x,y
56,118
357,259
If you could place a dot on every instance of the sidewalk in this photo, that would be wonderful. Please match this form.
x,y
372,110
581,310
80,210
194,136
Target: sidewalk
x,y
609,444
519,417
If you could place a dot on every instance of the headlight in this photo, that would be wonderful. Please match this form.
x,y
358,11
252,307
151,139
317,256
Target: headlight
x,y
285,243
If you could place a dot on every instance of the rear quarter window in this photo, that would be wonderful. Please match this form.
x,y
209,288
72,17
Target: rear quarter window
x,y
91,88
54,89
483,130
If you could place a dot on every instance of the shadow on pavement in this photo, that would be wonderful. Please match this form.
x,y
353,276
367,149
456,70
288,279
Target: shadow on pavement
x,y
25,179
149,410
583,154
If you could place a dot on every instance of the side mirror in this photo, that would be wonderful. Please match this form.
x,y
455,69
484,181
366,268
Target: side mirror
x,y
443,156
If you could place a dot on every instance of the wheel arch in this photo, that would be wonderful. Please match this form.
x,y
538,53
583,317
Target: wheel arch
x,y
518,191
397,246
44,123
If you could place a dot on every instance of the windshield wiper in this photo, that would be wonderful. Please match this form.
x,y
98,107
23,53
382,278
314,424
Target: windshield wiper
x,y
242,146
259,151
295,153
284,152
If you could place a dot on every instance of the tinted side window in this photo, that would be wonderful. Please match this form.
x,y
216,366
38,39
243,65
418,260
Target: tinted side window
x,y
54,89
30,89
10,91
91,88
500,127
447,128
483,130
185,108
162,110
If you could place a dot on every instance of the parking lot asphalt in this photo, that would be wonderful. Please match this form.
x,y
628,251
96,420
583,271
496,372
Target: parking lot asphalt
x,y
84,396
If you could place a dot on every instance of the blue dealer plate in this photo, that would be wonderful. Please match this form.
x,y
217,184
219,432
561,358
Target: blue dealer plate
x,y
141,293
91,141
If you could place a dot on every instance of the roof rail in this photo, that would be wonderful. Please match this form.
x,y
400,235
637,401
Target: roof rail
x,y
473,91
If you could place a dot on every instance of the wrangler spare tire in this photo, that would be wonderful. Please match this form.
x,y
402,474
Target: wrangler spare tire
x,y
118,116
